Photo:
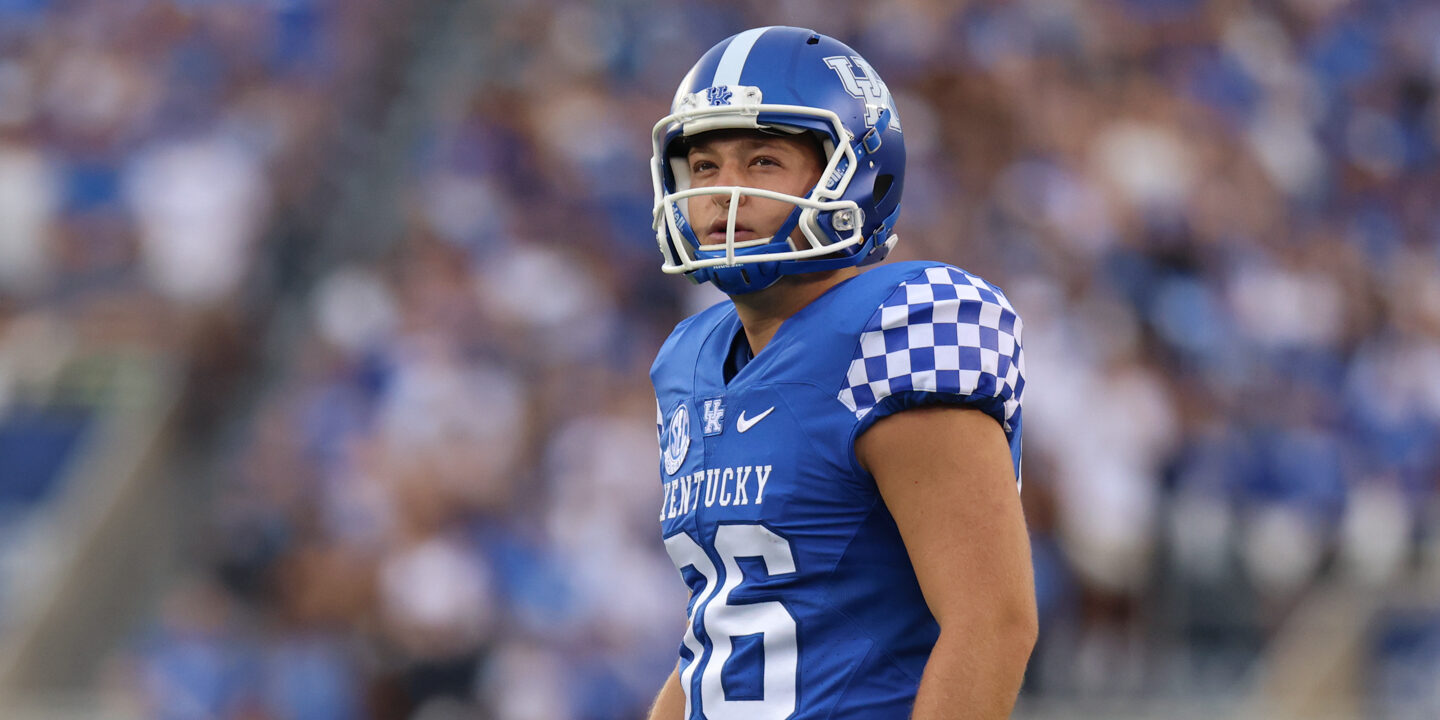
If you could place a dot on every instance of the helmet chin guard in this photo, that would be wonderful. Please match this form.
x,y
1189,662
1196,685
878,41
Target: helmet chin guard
x,y
786,81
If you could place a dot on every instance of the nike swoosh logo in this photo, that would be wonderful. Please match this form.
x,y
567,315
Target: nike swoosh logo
x,y
743,423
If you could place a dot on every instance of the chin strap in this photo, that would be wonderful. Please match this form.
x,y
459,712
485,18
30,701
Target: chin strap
x,y
870,142
741,279
882,249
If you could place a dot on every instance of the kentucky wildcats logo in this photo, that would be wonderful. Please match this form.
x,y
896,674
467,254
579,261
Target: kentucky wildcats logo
x,y
677,439
718,95
714,416
867,86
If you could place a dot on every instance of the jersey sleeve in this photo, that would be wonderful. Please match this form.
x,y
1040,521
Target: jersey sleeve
x,y
942,336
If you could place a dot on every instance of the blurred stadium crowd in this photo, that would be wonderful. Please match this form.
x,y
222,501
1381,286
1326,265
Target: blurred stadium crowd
x,y
1218,220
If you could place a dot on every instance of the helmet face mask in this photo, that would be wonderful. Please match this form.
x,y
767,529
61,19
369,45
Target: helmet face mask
x,y
783,81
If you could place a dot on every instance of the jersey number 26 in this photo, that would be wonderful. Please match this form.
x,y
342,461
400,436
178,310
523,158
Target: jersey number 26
x,y
721,622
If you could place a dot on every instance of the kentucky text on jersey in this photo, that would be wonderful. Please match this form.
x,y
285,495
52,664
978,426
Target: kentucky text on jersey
x,y
723,486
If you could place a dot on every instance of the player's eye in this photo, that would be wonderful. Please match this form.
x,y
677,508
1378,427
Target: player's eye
x,y
765,160
699,166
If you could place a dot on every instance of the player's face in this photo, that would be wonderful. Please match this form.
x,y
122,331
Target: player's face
x,y
753,159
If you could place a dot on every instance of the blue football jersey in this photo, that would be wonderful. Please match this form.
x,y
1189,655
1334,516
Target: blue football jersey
x,y
803,602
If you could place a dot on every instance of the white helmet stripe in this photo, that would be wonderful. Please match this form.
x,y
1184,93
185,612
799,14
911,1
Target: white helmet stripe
x,y
733,61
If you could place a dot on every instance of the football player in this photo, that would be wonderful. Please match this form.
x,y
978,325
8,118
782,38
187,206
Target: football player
x,y
840,451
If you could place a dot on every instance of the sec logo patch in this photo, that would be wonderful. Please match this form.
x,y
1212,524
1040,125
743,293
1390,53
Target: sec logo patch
x,y
677,439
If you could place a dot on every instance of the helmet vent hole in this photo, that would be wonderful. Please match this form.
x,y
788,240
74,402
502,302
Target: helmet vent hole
x,y
882,187
813,40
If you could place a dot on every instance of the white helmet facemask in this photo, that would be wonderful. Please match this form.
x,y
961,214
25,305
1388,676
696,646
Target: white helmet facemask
x,y
671,214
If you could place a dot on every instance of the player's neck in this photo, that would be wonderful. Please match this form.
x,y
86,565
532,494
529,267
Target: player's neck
x,y
761,313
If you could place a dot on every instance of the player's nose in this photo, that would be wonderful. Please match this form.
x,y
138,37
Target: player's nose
x,y
730,175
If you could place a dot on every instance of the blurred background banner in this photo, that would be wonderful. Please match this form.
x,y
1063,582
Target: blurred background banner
x,y
325,328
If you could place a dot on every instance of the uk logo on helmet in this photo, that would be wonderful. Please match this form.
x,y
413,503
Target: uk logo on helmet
x,y
719,95
866,86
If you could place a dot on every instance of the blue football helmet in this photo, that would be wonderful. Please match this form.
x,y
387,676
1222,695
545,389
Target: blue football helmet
x,y
784,80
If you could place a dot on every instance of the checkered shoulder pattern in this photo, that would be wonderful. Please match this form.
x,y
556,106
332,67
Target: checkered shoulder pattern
x,y
941,331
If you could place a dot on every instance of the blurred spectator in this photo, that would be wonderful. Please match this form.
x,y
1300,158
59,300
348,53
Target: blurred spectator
x,y
1217,220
